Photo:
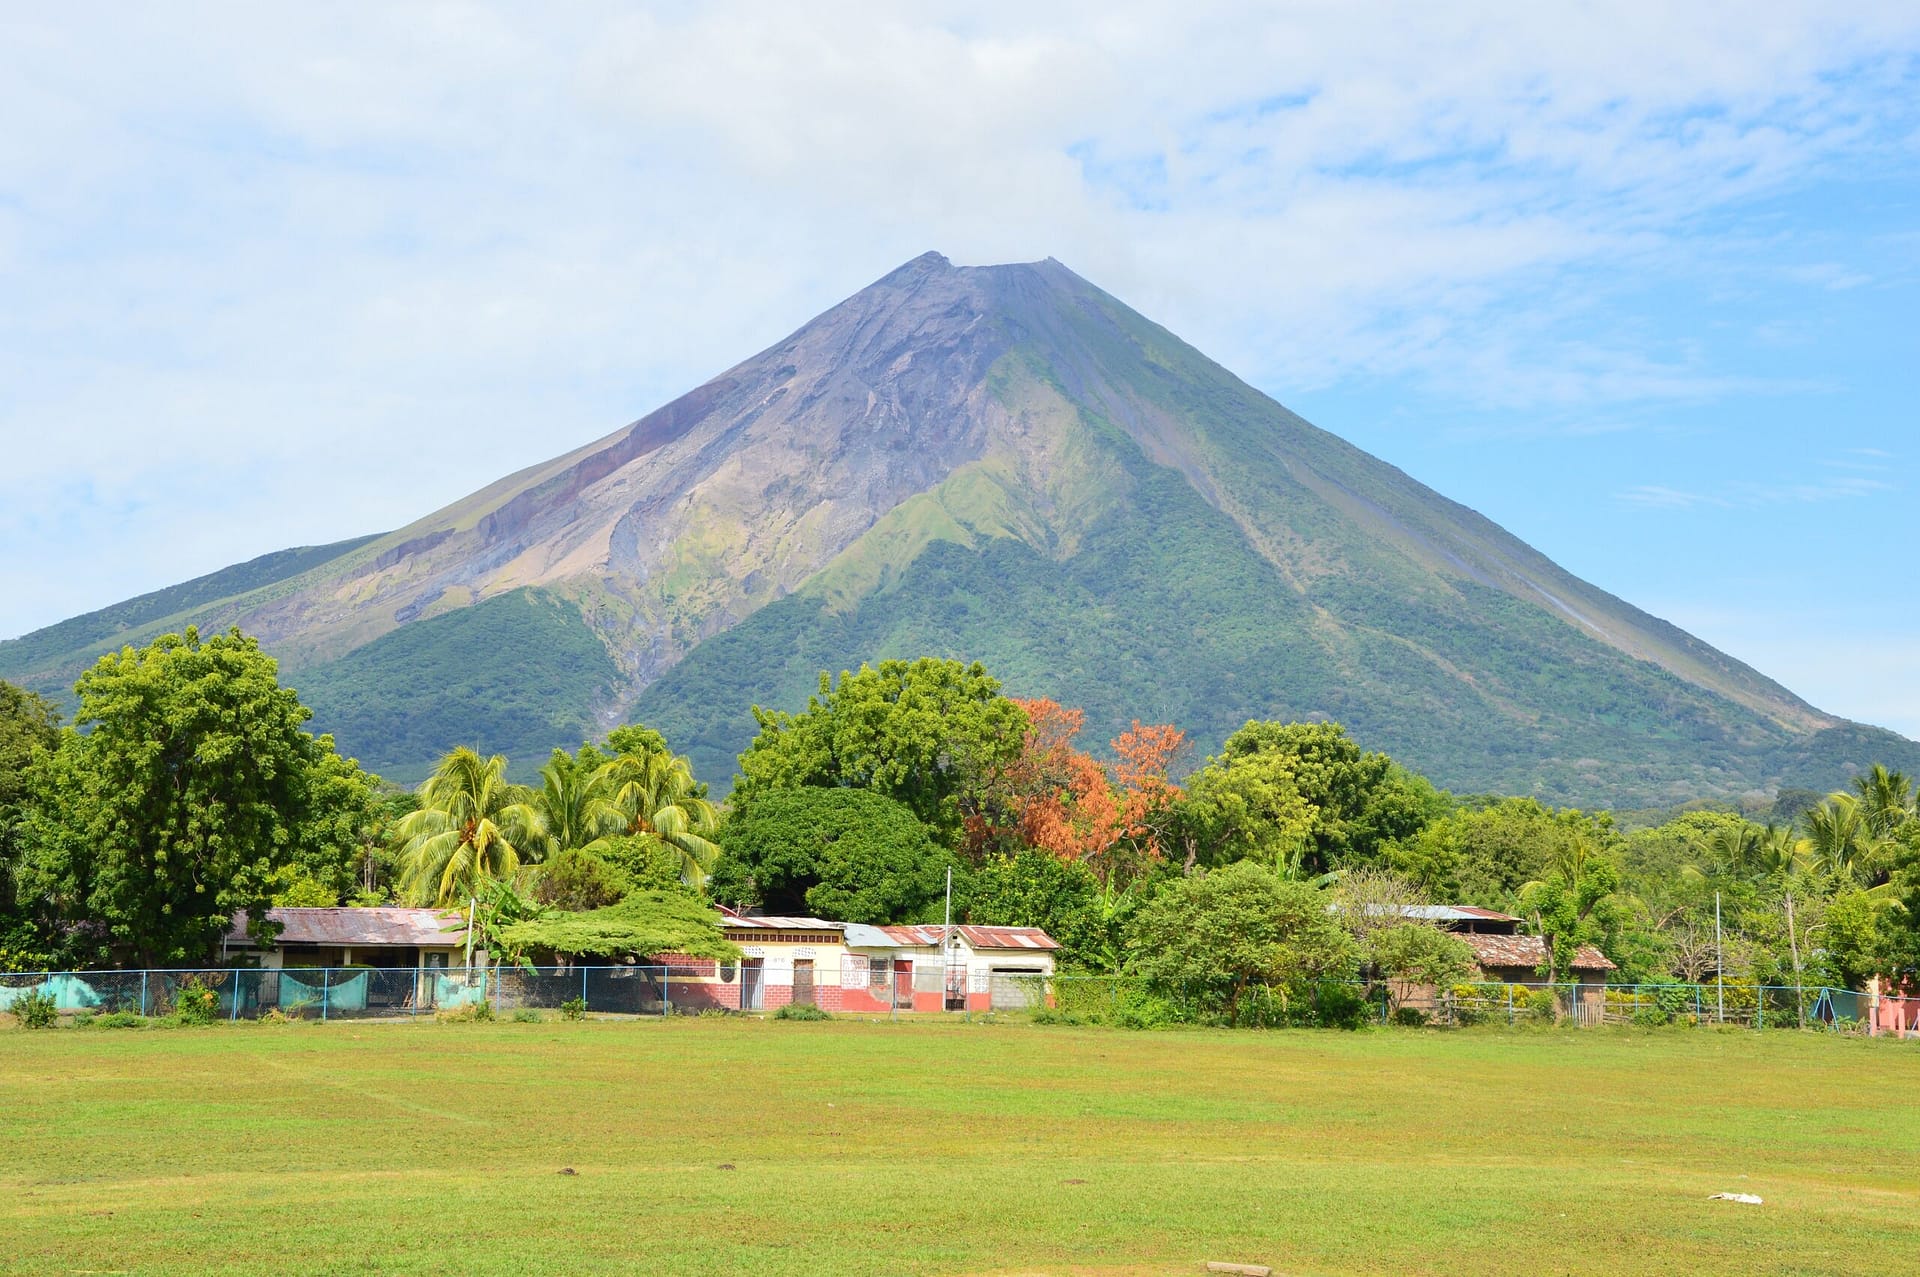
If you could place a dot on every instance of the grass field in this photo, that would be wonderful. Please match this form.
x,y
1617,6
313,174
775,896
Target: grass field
x,y
708,1146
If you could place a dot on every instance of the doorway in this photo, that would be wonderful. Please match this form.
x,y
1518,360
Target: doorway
x,y
753,984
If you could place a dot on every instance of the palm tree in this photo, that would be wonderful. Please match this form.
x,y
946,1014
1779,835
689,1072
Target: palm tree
x,y
575,802
655,793
1887,800
1838,840
473,826
1735,847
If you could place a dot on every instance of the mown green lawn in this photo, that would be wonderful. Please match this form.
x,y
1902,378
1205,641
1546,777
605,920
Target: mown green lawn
x,y
709,1146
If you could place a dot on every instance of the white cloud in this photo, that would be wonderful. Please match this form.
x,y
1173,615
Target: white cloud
x,y
281,275
1855,478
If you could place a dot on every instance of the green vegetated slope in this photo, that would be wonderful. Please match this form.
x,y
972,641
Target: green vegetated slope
x,y
1165,613
48,660
519,674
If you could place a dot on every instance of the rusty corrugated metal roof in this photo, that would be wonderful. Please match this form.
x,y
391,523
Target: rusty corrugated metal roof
x,y
777,922
347,926
976,937
1007,938
1528,951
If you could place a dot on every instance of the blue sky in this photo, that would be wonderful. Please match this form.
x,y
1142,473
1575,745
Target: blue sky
x,y
1638,283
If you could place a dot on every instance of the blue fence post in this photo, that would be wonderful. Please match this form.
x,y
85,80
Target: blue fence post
x,y
235,1017
666,991
583,986
143,993
326,988
1760,1006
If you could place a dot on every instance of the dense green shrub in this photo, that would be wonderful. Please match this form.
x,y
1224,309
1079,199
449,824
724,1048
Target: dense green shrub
x,y
1542,1005
526,1015
1338,1005
801,1011
472,1013
119,1020
195,1003
1410,1017
573,1009
36,1010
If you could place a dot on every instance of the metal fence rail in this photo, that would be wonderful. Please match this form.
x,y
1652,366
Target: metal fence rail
x,y
335,993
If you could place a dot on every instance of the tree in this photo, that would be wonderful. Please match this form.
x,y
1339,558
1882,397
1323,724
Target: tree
x,y
1840,839
846,854
1304,791
1563,905
1210,935
928,733
654,793
189,793
1064,898
645,924
29,727
1888,801
472,826
1483,854
1382,913
578,880
574,801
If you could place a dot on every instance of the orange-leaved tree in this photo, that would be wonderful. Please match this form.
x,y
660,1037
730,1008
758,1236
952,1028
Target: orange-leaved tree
x,y
1058,799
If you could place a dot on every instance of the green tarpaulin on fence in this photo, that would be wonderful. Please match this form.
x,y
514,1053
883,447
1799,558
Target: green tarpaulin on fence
x,y
344,993
69,993
458,991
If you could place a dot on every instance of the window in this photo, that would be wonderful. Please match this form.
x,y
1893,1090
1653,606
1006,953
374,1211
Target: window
x,y
726,972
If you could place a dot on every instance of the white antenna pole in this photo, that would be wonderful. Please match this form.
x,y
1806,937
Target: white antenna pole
x,y
469,935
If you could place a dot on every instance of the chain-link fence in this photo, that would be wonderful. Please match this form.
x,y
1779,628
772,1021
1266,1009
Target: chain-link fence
x,y
331,993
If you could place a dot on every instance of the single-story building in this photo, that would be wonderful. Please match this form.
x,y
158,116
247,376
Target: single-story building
x,y
379,960
393,959
346,937
850,966
1501,955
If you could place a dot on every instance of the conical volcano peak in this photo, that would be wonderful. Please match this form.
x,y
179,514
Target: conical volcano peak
x,y
1003,463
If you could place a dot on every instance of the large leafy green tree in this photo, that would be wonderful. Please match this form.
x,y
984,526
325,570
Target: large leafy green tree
x,y
1565,906
846,854
473,825
927,733
1209,936
189,795
1303,797
1485,852
29,726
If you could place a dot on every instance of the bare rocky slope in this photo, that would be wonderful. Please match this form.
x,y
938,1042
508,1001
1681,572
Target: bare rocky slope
x,y
1001,462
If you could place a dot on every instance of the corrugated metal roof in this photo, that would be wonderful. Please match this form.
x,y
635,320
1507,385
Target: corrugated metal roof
x,y
975,937
1528,951
346,926
1007,938
777,922
862,936
1444,913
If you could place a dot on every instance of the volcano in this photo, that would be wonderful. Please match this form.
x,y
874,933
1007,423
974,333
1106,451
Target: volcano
x,y
1006,464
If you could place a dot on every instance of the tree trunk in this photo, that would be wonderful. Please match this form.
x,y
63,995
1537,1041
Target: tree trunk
x,y
1793,945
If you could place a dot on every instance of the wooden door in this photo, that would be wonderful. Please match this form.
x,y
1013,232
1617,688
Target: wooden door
x,y
803,981
903,983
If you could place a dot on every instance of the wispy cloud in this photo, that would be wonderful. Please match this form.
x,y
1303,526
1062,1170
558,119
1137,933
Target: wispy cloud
x,y
1858,479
